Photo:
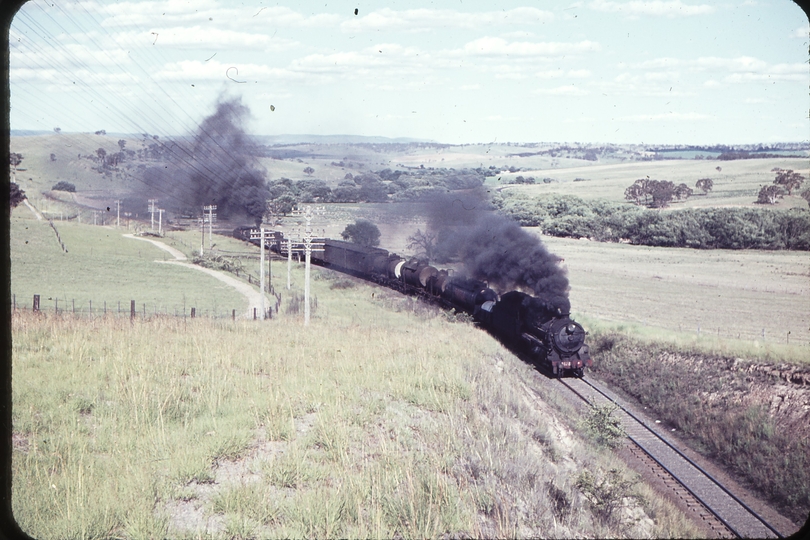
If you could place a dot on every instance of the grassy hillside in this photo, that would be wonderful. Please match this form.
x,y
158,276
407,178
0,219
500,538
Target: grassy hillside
x,y
101,265
381,418
736,184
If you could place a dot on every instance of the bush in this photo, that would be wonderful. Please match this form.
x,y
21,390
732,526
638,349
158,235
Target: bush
x,y
705,228
64,186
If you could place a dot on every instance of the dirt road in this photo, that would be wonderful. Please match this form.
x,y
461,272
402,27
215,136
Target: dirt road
x,y
252,295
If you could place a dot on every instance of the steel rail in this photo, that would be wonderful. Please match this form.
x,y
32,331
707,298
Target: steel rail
x,y
681,455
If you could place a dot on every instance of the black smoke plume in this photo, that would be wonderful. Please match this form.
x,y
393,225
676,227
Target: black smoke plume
x,y
495,249
216,167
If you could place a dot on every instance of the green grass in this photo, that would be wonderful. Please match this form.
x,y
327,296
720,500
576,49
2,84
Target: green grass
x,y
381,419
100,265
724,411
730,295
737,184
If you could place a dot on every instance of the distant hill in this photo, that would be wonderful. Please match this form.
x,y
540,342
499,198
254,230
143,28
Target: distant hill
x,y
334,139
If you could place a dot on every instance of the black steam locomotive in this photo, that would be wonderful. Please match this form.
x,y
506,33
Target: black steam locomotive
x,y
542,333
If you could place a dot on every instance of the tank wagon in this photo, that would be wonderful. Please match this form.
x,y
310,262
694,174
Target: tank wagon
x,y
546,336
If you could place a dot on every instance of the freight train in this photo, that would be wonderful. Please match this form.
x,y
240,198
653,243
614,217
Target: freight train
x,y
545,335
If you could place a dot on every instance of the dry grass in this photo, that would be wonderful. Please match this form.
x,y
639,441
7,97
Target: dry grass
x,y
349,428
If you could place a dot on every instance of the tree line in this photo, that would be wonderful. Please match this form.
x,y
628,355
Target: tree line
x,y
704,228
380,186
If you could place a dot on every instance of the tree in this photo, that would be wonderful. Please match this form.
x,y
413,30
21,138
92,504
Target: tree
x,y
57,129
121,144
101,154
770,194
362,232
14,159
53,157
789,180
638,191
705,185
309,170
15,195
64,186
423,242
663,191
683,192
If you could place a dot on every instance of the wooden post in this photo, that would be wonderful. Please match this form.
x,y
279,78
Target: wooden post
x,y
56,306
132,310
254,314
233,315
74,305
193,312
36,302
91,308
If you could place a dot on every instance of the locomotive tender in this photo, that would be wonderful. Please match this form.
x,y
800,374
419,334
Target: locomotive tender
x,y
545,335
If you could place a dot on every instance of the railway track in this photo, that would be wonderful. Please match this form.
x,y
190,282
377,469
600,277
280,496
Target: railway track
x,y
723,513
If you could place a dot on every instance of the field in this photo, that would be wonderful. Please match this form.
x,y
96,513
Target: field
x,y
100,265
736,184
199,420
754,296
352,427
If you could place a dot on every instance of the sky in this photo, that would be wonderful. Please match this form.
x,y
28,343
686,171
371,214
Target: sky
x,y
463,71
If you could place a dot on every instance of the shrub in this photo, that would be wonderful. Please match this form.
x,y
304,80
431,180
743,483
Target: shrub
x,y
64,186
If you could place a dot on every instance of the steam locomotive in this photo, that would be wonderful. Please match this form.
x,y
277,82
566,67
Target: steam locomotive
x,y
544,334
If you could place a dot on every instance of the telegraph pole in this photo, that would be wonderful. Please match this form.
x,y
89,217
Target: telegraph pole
x,y
118,213
289,260
211,216
152,211
309,247
253,234
160,221
202,234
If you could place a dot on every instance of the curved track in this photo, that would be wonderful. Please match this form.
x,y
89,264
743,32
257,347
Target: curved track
x,y
723,512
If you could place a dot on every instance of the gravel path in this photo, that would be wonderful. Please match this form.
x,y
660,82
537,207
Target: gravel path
x,y
252,295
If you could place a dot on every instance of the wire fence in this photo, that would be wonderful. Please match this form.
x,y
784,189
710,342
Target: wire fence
x,y
127,309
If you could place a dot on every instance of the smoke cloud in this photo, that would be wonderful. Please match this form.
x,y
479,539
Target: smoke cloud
x,y
216,167
497,250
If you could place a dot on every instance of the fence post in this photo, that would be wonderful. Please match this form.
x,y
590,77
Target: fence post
x,y
254,314
193,312
105,307
36,302
73,301
56,306
132,310
233,315
91,308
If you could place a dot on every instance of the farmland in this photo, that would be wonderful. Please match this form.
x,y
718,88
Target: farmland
x,y
258,440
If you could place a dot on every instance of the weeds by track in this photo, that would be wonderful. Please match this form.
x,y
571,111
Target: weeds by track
x,y
723,512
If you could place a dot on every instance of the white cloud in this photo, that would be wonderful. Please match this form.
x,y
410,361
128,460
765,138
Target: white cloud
x,y
568,90
657,8
197,37
195,70
209,12
423,19
802,32
494,46
740,69
559,73
470,87
664,117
